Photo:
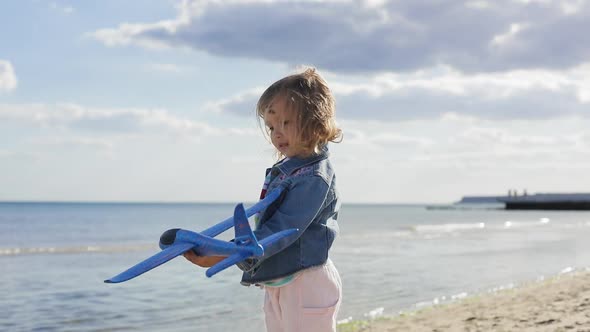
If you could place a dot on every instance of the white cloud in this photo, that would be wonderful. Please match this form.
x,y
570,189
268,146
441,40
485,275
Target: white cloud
x,y
374,36
518,94
99,143
478,4
493,144
25,157
383,140
442,160
170,68
510,35
62,8
243,103
571,7
8,79
457,138
128,33
109,120
567,7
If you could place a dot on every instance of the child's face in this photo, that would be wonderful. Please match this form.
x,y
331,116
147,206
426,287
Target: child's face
x,y
282,125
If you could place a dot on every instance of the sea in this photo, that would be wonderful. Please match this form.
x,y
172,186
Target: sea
x,y
54,258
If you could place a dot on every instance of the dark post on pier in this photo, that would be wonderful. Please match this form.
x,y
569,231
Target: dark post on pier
x,y
526,201
577,201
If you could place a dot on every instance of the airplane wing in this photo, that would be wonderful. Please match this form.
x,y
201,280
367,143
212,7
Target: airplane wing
x,y
224,264
152,262
229,222
177,249
278,241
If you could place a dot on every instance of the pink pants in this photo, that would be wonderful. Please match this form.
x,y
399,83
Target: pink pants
x,y
309,303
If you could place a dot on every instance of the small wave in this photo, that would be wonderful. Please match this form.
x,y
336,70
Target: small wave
x,y
500,288
525,224
345,320
459,296
507,225
447,228
466,207
377,312
567,270
74,250
379,235
441,300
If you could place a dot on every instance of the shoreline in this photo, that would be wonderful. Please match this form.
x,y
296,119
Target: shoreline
x,y
558,303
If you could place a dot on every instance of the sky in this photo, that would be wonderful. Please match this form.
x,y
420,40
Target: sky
x,y
154,100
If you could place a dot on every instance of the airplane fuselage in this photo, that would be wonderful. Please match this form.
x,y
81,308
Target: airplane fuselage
x,y
205,245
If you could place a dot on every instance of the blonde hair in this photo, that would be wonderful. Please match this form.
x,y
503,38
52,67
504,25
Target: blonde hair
x,y
308,96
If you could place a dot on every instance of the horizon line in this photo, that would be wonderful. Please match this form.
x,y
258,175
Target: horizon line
x,y
195,202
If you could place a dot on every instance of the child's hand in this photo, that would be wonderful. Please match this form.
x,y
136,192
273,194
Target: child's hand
x,y
203,261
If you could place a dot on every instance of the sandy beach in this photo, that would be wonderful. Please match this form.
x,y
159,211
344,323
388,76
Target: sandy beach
x,y
558,304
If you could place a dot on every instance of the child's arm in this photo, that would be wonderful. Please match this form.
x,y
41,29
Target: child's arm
x,y
203,261
303,202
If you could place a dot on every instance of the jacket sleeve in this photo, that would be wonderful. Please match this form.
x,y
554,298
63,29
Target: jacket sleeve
x,y
299,208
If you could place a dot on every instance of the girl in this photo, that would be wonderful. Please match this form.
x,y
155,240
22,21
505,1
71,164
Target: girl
x,y
303,288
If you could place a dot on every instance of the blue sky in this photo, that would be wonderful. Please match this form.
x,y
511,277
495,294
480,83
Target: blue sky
x,y
154,100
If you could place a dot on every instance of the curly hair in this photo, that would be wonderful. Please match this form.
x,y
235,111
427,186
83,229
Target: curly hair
x,y
307,95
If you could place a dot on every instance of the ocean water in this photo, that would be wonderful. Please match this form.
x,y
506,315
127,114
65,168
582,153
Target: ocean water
x,y
55,256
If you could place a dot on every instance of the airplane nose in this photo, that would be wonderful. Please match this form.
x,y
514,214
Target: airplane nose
x,y
168,237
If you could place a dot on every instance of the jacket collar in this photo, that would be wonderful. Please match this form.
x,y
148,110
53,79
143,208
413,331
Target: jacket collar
x,y
287,167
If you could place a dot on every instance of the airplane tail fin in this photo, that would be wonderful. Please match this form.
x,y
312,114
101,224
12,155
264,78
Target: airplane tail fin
x,y
243,233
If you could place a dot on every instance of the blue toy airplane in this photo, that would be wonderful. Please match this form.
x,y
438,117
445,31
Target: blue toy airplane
x,y
175,242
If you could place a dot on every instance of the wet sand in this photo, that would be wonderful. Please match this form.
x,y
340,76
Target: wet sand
x,y
558,304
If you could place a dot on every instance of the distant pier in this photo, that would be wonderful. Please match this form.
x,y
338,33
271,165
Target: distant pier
x,y
574,201
548,202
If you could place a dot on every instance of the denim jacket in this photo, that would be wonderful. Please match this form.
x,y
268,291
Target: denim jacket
x,y
309,202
